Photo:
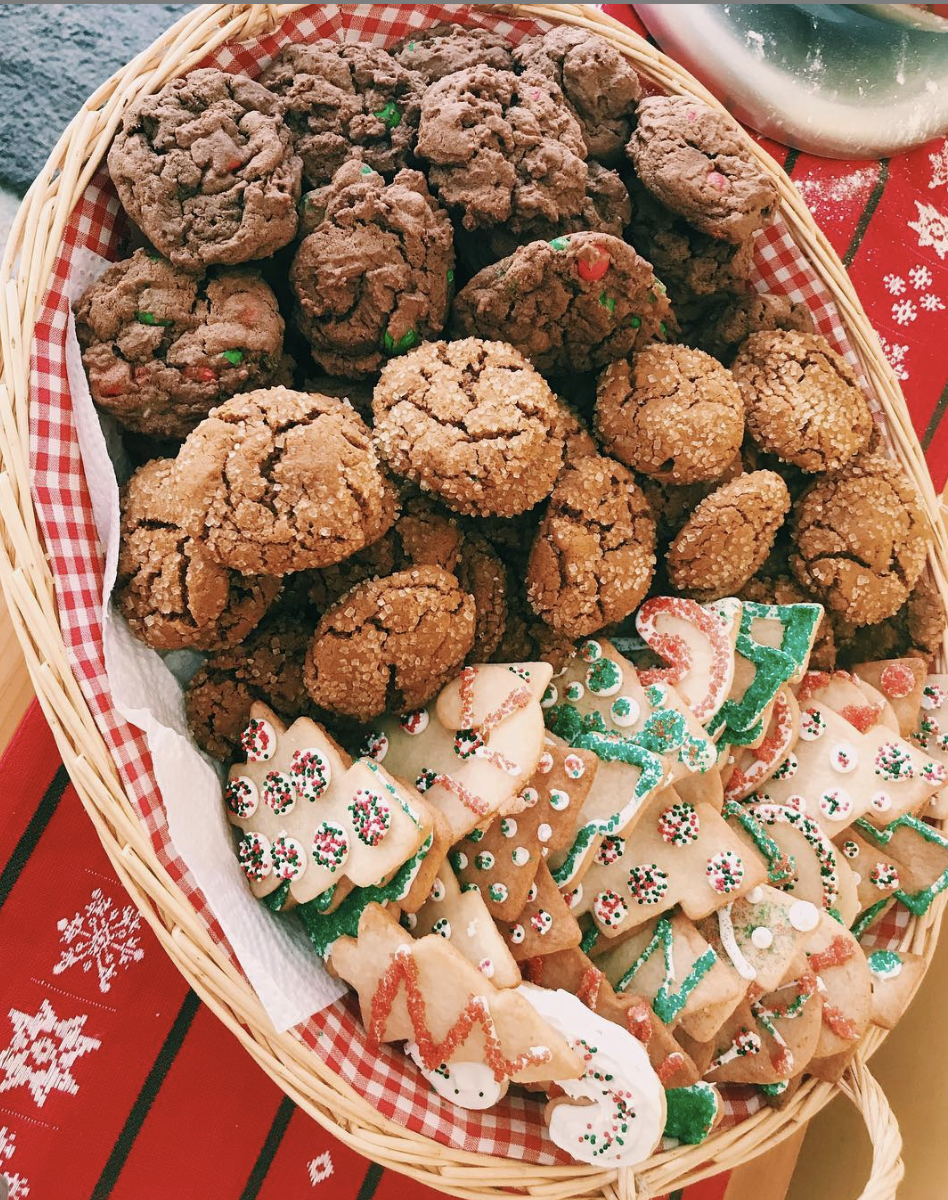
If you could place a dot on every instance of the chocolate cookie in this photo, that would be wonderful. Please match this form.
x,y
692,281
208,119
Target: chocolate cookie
x,y
670,412
698,163
594,554
346,100
599,84
276,481
375,277
207,169
390,644
444,49
605,209
803,400
573,304
501,146
267,667
472,422
861,539
728,536
169,589
721,328
162,346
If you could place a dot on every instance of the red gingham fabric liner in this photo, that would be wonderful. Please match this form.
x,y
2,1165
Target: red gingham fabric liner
x,y
385,1078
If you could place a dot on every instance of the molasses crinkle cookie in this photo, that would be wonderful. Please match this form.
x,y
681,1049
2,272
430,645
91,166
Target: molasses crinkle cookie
x,y
207,170
162,346
472,422
169,589
572,304
276,481
375,276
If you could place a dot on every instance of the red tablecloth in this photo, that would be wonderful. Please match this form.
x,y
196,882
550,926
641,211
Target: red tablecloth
x,y
114,1081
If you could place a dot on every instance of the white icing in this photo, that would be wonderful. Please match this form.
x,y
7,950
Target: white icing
x,y
550,696
520,856
415,723
508,827
486,968
267,734
437,892
544,832
559,799
442,927
803,916
844,757
881,801
411,921
472,928
755,895
467,1084
762,938
462,860
624,718
618,1058
545,765
574,691
745,969
857,878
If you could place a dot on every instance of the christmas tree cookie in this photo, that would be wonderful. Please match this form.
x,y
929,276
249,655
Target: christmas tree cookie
x,y
475,747
931,734
854,699
907,861
309,819
901,681
545,924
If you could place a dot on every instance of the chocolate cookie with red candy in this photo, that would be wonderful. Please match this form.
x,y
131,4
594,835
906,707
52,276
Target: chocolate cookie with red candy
x,y
162,346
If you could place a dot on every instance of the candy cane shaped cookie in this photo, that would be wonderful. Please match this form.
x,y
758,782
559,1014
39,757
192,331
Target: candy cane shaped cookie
x,y
697,643
752,768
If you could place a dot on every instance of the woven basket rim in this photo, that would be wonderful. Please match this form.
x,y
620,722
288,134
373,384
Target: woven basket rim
x,y
27,584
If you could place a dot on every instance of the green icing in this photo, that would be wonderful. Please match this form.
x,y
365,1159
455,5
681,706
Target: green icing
x,y
234,357
691,1112
404,343
775,1089
885,963
780,867
276,901
589,939
602,676
862,923
668,1003
918,902
835,914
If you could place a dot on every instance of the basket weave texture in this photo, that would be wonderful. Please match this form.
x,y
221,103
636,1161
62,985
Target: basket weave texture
x,y
51,574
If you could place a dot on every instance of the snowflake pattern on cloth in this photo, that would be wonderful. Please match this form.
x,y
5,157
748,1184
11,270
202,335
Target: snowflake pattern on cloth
x,y
939,162
320,1168
103,935
905,310
932,228
17,1186
42,1051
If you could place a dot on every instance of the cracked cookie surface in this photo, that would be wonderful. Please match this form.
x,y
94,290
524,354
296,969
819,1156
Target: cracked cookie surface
x,y
444,49
594,553
277,481
861,539
803,400
728,536
162,346
390,643
670,412
697,162
573,304
500,145
169,589
720,330
207,170
472,422
375,276
344,101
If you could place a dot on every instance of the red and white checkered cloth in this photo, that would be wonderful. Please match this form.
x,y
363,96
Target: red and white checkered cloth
x,y
385,1078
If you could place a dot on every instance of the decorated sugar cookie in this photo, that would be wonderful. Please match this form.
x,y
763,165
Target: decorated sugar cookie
x,y
692,1112
545,924
676,853
427,993
836,774
501,859
854,699
815,874
835,956
475,747
894,978
901,681
751,768
698,645
773,648
620,1114
931,734
309,819
907,860
462,919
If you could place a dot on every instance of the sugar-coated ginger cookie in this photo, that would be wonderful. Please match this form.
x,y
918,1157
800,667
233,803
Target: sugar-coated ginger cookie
x,y
699,164
803,400
728,536
594,554
916,629
276,481
861,538
482,574
390,643
472,422
207,170
169,588
670,412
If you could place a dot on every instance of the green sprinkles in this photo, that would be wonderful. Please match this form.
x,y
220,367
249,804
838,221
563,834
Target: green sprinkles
x,y
886,964
149,318
234,357
608,302
691,1112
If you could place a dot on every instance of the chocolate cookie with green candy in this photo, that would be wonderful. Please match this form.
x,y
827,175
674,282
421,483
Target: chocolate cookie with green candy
x,y
573,304
342,98
162,346
444,49
169,588
206,168
375,276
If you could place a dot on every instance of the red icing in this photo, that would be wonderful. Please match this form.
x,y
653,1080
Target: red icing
x,y
474,803
897,681
669,1066
597,268
861,716
638,1020
674,650
466,688
839,951
403,972
835,1020
589,985
782,1061
770,751
519,698
813,681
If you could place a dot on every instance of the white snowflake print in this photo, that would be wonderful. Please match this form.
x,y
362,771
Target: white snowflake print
x,y
894,284
939,162
932,228
904,312
932,303
103,935
42,1051
320,1168
17,1187
896,355
921,277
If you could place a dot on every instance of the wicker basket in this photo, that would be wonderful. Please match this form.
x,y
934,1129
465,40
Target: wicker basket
x,y
28,586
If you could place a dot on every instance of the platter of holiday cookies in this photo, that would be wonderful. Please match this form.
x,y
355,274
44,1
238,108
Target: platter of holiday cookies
x,y
532,557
